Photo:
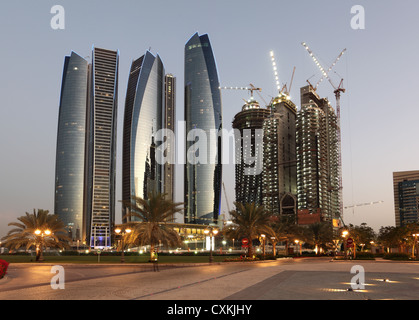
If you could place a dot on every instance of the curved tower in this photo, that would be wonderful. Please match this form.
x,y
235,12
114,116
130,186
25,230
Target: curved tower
x,y
203,113
143,118
71,142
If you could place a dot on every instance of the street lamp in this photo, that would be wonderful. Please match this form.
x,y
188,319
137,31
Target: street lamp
x,y
298,243
344,234
40,241
263,241
123,232
211,232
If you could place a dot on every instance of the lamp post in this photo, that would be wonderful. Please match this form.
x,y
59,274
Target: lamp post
x,y
344,234
298,243
40,241
263,244
211,232
123,232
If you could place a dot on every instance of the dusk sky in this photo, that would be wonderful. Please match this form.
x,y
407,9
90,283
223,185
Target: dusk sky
x,y
379,110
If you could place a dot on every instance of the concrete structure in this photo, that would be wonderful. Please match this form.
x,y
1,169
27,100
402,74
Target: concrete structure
x,y
248,174
317,159
279,157
406,197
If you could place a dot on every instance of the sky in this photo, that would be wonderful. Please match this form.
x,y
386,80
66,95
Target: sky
x,y
379,109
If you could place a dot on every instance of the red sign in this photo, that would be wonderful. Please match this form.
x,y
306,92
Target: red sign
x,y
245,241
350,242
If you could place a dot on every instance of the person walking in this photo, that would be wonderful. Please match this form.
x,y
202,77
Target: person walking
x,y
155,261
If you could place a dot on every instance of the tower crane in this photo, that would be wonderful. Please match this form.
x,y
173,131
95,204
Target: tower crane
x,y
283,89
337,91
363,204
251,89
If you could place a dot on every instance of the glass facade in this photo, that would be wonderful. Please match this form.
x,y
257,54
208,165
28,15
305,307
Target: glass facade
x,y
101,162
203,112
143,118
71,141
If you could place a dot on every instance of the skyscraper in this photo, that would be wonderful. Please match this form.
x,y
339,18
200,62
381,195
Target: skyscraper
x,y
71,144
203,116
279,158
86,147
248,176
317,159
142,173
406,197
101,148
169,123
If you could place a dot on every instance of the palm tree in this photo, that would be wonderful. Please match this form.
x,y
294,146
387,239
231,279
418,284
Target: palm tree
x,y
39,229
153,215
319,234
249,221
285,229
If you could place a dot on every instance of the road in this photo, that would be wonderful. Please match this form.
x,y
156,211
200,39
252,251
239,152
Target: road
x,y
287,279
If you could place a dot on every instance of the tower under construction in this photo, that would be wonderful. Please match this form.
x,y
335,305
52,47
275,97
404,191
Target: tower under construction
x,y
279,157
318,186
249,122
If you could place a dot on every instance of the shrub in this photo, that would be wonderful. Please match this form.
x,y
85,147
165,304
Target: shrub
x,y
3,268
396,256
365,256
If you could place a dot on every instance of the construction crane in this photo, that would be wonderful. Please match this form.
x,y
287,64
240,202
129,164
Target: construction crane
x,y
363,204
251,89
337,91
283,89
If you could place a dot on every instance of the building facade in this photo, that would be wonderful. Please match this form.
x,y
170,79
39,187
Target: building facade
x,y
169,121
142,173
406,197
203,117
101,148
249,152
279,158
317,159
71,146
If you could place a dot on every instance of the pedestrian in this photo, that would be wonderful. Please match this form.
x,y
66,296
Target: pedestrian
x,y
155,261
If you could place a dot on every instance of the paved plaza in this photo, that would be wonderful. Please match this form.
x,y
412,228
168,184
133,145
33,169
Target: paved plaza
x,y
285,279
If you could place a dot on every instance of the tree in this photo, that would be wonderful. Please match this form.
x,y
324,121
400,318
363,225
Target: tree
x,y
249,221
285,229
153,215
39,229
319,234
362,234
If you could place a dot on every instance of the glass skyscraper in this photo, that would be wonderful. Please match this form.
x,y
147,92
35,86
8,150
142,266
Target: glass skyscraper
x,y
71,144
203,112
143,118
